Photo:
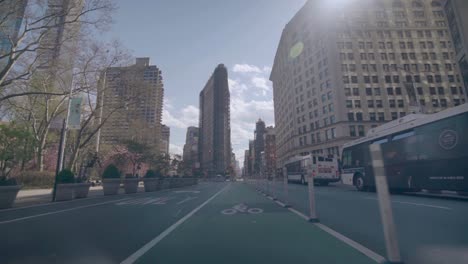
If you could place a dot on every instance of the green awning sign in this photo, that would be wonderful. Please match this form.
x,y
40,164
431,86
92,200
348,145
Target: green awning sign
x,y
74,116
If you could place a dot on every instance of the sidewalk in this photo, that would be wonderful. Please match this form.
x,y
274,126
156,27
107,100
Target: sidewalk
x,y
226,231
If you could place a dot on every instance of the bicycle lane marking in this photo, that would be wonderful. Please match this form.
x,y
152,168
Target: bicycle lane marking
x,y
135,256
274,236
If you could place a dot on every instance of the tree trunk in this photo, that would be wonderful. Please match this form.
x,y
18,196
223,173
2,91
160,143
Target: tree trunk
x,y
40,151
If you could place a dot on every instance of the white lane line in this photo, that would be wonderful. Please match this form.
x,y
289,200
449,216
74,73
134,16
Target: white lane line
x,y
416,204
369,253
59,211
135,256
187,199
364,250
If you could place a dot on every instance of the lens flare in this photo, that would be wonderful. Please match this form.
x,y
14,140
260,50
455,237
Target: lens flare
x,y
296,50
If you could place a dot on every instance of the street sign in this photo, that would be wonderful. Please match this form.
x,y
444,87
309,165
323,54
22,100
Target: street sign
x,y
74,116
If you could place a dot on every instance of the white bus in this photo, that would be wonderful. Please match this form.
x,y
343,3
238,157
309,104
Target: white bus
x,y
323,170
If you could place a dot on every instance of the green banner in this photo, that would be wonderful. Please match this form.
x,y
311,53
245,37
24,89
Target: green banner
x,y
74,116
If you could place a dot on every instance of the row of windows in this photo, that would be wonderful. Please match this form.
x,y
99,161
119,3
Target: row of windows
x,y
390,34
396,79
392,56
316,137
389,45
435,67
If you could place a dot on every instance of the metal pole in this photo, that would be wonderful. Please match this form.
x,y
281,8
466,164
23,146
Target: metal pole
x,y
285,187
391,241
313,212
273,192
59,157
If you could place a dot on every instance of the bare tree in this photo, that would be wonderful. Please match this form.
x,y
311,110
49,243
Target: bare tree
x,y
31,47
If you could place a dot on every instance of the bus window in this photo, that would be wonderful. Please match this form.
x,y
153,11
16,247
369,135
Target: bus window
x,y
403,135
380,141
320,158
346,158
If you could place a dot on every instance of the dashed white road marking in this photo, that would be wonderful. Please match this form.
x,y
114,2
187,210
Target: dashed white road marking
x,y
416,204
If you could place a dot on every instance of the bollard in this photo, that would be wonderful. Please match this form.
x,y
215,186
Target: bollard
x,y
273,192
285,187
386,214
313,212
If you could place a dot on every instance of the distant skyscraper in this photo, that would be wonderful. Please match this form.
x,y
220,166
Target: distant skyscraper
x,y
215,127
190,155
259,144
456,11
133,101
342,69
11,17
58,47
270,151
165,139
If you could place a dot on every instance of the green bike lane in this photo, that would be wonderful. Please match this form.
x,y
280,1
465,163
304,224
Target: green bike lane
x,y
103,230
216,235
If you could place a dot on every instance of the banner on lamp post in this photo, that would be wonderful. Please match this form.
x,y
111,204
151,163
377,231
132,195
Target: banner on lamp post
x,y
74,116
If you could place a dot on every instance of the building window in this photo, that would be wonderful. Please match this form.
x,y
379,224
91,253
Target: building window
x,y
381,116
454,90
369,91
352,131
392,103
372,117
354,79
398,91
351,116
357,103
377,91
400,103
359,116
378,103
332,119
420,90
443,102
394,115
361,131
390,91
432,90
440,90
356,91
435,103
347,91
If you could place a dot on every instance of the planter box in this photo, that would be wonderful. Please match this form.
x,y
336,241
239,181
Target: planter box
x,y
64,192
166,183
81,190
110,186
131,185
8,195
174,183
152,184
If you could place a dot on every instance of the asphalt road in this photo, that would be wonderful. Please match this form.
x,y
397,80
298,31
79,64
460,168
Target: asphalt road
x,y
207,223
430,230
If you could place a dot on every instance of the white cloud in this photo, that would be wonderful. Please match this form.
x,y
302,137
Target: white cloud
x,y
251,99
246,68
262,83
187,116
175,149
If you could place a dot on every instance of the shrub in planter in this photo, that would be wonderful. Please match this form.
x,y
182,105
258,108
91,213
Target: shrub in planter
x,y
111,180
81,188
152,181
9,188
131,184
65,185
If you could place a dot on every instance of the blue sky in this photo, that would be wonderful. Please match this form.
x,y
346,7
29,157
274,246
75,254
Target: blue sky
x,y
187,39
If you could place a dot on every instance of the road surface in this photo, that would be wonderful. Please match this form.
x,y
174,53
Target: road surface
x,y
207,223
